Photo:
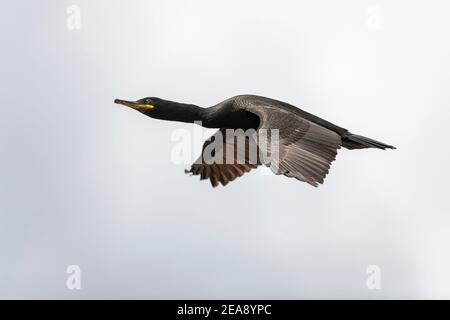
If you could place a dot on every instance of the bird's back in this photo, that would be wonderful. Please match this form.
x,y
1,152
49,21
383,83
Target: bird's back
x,y
262,102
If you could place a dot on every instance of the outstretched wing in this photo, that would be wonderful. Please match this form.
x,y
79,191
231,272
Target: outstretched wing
x,y
225,158
306,149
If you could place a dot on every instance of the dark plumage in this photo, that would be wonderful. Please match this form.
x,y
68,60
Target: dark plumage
x,y
307,143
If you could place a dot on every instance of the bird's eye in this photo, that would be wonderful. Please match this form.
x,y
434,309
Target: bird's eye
x,y
149,101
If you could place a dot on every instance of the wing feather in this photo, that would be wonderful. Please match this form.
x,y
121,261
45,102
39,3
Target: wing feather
x,y
306,149
224,172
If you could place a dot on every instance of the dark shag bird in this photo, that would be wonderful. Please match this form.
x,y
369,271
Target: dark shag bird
x,y
307,143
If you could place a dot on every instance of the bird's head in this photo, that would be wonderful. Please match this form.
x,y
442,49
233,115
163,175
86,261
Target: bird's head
x,y
150,106
164,109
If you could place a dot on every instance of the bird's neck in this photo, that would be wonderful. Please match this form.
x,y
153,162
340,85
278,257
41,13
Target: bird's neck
x,y
212,117
184,112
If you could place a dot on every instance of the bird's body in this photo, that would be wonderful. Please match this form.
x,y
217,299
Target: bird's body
x,y
307,144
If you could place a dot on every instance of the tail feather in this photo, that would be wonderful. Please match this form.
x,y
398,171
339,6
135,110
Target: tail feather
x,y
354,141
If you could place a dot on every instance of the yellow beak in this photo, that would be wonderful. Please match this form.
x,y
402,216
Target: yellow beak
x,y
134,105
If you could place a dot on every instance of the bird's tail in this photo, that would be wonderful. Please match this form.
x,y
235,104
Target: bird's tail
x,y
354,141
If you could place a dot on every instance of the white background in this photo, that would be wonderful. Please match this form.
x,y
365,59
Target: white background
x,y
87,182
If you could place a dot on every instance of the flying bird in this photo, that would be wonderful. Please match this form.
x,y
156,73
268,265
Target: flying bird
x,y
306,143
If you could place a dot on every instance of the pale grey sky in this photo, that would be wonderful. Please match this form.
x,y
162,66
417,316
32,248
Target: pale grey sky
x,y
86,182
